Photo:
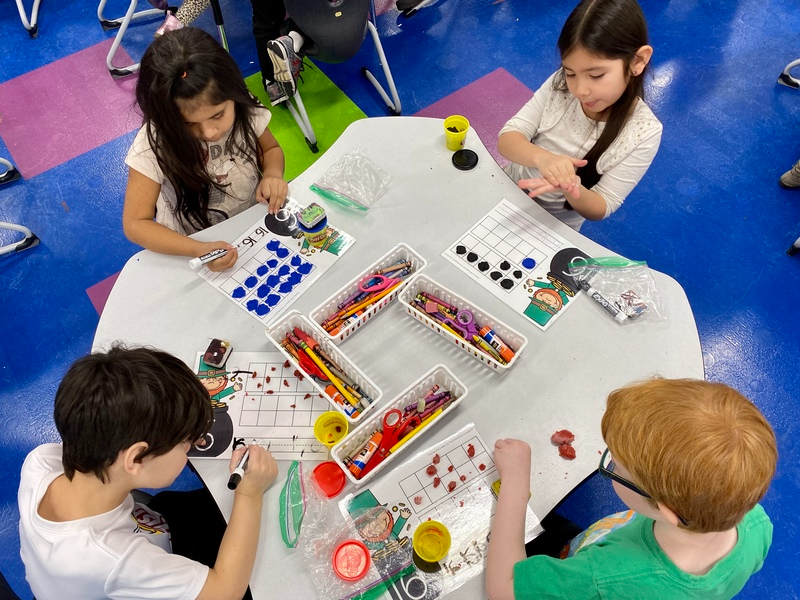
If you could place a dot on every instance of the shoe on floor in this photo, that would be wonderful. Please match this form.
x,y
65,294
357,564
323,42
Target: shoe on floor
x,y
275,92
171,23
791,179
286,63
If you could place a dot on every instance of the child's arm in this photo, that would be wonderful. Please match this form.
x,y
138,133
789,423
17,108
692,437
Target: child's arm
x,y
237,553
507,539
272,188
587,203
138,213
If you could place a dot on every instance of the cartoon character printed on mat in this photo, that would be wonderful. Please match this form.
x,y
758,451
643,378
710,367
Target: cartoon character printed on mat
x,y
377,525
216,382
546,301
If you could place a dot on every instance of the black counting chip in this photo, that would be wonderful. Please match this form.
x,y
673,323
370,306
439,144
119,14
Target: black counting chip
x,y
505,265
507,284
483,265
461,249
472,257
517,273
495,275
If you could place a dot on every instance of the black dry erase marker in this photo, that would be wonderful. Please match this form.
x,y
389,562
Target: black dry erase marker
x,y
238,472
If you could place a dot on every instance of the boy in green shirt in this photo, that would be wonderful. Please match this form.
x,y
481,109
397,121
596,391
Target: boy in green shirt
x,y
692,459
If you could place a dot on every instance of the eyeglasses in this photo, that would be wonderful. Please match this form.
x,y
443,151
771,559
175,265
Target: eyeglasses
x,y
606,469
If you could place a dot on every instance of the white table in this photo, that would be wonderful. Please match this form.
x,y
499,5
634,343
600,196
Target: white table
x,y
561,380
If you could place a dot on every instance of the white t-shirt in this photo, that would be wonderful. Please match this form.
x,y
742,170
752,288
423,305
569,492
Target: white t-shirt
x,y
238,172
124,553
555,121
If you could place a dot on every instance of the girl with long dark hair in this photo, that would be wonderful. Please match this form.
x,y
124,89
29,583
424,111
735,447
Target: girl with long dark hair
x,y
586,138
204,152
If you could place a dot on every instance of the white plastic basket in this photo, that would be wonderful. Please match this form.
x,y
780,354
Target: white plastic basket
x,y
356,439
401,252
515,340
286,324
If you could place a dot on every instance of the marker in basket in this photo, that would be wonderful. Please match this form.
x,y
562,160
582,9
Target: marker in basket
x,y
198,262
496,343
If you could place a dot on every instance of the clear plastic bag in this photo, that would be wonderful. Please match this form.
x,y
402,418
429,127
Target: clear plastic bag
x,y
323,531
625,289
353,181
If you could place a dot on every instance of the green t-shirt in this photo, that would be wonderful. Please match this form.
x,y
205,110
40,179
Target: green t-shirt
x,y
629,563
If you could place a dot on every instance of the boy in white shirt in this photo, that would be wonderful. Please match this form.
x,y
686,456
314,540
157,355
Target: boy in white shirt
x,y
127,419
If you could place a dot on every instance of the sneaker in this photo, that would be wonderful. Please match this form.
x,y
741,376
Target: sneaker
x,y
403,5
286,63
171,23
791,179
160,4
275,92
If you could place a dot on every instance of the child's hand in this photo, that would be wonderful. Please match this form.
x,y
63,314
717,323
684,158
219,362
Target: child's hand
x,y
260,472
223,262
559,171
513,460
539,185
274,191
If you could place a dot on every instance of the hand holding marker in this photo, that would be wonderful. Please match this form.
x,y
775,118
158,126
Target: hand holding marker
x,y
198,262
238,472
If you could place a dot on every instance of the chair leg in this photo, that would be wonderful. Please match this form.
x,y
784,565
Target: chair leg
x,y
794,248
301,118
31,26
394,103
122,23
786,79
29,241
11,174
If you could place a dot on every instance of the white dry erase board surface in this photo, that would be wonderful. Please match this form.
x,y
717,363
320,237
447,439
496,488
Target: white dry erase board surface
x,y
460,494
264,399
276,264
520,261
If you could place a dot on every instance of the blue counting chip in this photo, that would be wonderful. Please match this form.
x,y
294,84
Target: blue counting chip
x,y
305,268
262,309
285,287
296,260
284,270
251,281
273,280
528,263
263,290
262,270
239,292
252,304
273,299
282,252
273,245
294,278
272,263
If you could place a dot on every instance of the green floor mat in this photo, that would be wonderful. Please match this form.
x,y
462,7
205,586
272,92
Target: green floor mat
x,y
329,111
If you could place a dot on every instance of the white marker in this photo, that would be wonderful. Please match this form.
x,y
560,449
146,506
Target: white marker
x,y
198,262
238,472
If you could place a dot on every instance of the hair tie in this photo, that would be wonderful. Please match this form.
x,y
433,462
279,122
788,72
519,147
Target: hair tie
x,y
184,75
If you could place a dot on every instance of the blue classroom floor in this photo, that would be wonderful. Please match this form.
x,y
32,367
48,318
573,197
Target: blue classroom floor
x,y
709,212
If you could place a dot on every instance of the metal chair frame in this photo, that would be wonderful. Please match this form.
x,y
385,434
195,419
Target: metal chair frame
x,y
29,238
298,111
31,25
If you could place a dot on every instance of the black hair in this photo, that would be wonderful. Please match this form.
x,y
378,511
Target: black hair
x,y
109,401
188,64
612,29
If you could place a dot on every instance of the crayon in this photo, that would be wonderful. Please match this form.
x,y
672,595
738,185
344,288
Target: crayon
x,y
416,430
